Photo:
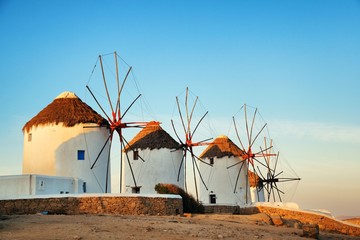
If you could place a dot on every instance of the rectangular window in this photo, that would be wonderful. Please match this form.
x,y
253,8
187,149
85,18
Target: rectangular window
x,y
84,187
29,137
136,154
212,198
212,161
135,189
81,155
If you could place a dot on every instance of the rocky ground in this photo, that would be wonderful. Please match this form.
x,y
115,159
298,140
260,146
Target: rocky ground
x,y
353,221
204,226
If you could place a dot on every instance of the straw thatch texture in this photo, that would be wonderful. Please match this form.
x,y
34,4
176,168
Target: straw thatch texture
x,y
222,147
152,137
254,180
68,111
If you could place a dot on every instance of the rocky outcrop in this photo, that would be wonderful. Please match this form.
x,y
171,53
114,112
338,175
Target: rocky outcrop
x,y
323,221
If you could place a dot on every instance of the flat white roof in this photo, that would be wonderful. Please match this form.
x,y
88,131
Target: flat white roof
x,y
89,195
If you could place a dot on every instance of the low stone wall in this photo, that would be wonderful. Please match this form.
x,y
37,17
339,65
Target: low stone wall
x,y
323,221
100,204
221,209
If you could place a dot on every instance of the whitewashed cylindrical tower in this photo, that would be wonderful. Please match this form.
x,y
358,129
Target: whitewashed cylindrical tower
x,y
64,139
226,178
155,157
256,188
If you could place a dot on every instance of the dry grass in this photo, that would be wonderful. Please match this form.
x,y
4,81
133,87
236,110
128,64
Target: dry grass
x,y
222,147
152,137
68,111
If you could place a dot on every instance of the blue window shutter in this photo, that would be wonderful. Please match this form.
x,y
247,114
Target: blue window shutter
x,y
81,155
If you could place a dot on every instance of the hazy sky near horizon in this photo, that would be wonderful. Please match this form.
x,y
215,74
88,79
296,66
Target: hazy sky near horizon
x,y
297,61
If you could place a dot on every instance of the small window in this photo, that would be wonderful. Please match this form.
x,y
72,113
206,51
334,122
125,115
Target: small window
x,y
136,154
212,197
212,161
84,187
135,189
81,155
29,137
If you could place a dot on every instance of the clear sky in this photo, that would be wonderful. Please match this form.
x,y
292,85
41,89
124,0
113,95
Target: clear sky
x,y
297,61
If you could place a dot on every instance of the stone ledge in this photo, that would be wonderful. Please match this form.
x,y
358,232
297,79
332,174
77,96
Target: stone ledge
x,y
95,204
221,209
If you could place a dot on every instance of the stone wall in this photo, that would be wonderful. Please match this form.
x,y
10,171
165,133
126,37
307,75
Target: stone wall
x,y
123,205
323,221
221,209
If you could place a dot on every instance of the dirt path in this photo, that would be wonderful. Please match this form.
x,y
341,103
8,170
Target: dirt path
x,y
78,227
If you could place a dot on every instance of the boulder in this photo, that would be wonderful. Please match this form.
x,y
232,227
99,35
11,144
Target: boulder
x,y
276,219
311,231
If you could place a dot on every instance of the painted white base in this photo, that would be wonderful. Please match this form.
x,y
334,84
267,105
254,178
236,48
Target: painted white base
x,y
30,184
159,166
257,196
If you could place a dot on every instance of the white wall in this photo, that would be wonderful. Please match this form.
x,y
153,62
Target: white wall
x,y
53,151
160,166
55,185
257,194
15,185
20,185
221,181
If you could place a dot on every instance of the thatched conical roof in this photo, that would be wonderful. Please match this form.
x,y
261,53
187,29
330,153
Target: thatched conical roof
x,y
254,180
67,109
152,136
222,146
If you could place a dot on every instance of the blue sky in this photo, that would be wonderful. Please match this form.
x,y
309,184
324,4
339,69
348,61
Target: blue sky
x,y
297,61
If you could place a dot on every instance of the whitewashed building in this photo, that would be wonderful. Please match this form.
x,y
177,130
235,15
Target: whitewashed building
x,y
64,139
226,179
33,184
155,157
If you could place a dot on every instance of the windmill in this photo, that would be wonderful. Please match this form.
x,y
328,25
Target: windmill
x,y
259,155
275,174
187,144
111,104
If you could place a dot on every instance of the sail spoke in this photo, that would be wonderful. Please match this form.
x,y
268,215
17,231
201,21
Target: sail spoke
x,y
238,175
252,123
102,149
107,171
131,169
173,126
197,168
197,125
233,165
130,106
120,89
193,108
237,134
181,117
259,162
247,127
181,163
92,94
191,152
257,135
105,85
260,173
